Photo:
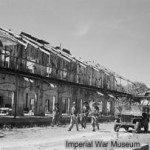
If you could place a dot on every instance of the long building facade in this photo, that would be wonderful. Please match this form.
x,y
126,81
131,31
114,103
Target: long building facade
x,y
35,75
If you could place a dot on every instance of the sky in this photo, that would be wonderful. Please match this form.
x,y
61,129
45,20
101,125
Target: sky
x,y
113,33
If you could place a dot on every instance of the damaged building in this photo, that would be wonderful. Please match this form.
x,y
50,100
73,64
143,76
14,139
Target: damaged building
x,y
35,75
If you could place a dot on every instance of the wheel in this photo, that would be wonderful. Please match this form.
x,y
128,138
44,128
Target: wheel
x,y
126,128
116,126
146,126
137,127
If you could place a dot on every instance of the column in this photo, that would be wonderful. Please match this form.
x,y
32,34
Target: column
x,y
18,97
112,107
104,105
39,100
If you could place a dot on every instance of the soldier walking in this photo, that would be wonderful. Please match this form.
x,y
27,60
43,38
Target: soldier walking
x,y
84,114
94,116
74,117
56,115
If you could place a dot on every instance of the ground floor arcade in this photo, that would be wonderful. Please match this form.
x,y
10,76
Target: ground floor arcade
x,y
37,97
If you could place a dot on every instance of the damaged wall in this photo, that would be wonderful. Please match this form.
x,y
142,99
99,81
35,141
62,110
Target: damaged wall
x,y
35,58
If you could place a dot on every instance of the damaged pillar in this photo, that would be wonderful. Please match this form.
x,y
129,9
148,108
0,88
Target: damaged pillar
x,y
18,97
104,105
39,101
20,101
74,94
60,90
112,107
78,97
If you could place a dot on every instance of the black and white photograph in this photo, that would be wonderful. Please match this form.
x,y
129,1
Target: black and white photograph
x,y
74,74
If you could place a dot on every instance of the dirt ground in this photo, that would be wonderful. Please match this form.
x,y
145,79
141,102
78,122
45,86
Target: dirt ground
x,y
54,138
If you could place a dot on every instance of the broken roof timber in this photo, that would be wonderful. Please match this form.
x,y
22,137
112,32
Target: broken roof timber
x,y
34,38
53,50
11,36
94,66
62,53
114,74
41,45
36,46
6,35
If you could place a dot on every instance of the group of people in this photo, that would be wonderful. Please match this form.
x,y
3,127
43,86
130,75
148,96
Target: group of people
x,y
86,111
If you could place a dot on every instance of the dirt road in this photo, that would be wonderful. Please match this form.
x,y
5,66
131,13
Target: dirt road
x,y
55,138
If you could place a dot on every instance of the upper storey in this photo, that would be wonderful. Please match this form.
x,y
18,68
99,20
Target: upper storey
x,y
27,53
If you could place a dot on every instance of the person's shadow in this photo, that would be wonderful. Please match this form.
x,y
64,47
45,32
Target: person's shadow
x,y
141,132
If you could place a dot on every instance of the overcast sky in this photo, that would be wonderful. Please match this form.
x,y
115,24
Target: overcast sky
x,y
114,33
